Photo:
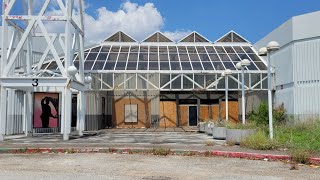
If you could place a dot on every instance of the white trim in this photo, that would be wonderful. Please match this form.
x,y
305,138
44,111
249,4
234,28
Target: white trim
x,y
194,33
232,31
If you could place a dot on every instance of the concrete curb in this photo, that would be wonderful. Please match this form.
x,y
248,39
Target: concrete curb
x,y
228,154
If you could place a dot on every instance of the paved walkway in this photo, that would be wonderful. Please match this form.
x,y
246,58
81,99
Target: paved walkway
x,y
174,138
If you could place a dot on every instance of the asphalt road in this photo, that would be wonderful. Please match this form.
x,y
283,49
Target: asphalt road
x,y
122,166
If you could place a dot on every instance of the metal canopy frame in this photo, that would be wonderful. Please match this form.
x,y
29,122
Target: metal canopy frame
x,y
20,71
173,66
176,81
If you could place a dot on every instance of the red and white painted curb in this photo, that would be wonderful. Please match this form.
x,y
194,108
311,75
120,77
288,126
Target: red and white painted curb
x,y
228,154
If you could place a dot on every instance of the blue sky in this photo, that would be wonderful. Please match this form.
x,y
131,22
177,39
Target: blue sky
x,y
212,18
252,19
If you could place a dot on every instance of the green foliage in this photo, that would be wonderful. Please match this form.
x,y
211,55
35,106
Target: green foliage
x,y
301,138
248,125
261,114
301,135
220,123
259,141
279,115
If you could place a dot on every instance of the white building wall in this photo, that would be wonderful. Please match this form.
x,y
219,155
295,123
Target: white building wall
x,y
283,62
93,111
306,57
285,96
306,26
283,34
297,64
307,101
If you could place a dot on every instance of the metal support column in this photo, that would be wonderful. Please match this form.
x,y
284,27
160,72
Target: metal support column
x,y
243,99
3,112
66,121
270,98
227,105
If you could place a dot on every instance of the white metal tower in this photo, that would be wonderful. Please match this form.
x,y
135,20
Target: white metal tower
x,y
21,71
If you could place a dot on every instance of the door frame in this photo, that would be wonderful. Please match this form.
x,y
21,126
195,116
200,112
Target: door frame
x,y
189,105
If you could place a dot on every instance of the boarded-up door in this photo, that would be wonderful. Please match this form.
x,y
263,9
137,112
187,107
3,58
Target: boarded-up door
x,y
168,114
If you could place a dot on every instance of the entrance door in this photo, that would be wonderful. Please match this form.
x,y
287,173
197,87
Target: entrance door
x,y
74,112
193,116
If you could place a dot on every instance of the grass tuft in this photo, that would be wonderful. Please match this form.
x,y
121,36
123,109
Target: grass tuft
x,y
300,156
259,141
209,143
161,151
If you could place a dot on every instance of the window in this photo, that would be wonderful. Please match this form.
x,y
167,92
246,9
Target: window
x,y
131,113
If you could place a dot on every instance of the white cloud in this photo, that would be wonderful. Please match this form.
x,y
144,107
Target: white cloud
x,y
138,21
177,35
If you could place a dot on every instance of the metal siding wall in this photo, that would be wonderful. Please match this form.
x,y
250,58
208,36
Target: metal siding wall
x,y
285,96
283,34
306,60
14,123
283,63
307,101
307,78
93,111
306,25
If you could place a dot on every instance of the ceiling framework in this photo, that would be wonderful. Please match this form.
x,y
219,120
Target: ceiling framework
x,y
21,71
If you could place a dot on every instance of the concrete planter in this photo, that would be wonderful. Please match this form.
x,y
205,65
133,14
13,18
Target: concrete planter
x,y
219,132
209,129
236,135
202,127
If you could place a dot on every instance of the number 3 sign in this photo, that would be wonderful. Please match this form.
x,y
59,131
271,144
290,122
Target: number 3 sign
x,y
35,82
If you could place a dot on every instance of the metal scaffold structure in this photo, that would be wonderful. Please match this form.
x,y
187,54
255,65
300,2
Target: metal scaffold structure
x,y
22,73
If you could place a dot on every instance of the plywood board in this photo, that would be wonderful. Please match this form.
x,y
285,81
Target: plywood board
x,y
233,110
131,113
143,112
168,114
184,114
204,115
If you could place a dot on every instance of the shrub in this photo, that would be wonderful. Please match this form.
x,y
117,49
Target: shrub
x,y
300,156
220,123
259,141
261,114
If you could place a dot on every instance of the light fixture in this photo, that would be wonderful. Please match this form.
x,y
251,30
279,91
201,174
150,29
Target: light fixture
x,y
72,70
263,51
227,72
241,65
238,65
88,79
273,46
245,62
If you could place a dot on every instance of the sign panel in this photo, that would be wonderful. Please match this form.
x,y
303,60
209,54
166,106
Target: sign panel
x,y
131,113
46,110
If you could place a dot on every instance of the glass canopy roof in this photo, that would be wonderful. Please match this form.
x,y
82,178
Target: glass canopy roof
x,y
150,55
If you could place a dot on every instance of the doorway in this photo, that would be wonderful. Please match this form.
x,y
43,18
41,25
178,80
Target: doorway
x,y
193,116
74,112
